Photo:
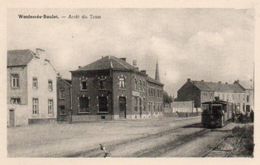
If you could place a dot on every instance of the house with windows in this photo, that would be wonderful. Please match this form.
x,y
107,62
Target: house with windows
x,y
202,91
111,88
31,87
248,87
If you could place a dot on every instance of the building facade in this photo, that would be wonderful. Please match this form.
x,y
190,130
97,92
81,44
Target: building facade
x,y
64,103
201,91
31,87
248,87
111,88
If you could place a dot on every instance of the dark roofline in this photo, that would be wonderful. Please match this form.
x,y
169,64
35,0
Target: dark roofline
x,y
65,80
9,66
123,70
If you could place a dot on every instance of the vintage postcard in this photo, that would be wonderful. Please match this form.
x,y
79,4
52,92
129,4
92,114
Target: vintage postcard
x,y
130,82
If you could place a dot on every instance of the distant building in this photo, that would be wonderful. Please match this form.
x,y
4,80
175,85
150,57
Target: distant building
x,y
64,102
31,87
111,88
202,91
248,87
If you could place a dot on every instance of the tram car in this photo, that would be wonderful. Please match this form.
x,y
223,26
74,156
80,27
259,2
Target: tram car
x,y
217,113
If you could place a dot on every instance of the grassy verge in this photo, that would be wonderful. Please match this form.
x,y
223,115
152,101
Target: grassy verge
x,y
243,141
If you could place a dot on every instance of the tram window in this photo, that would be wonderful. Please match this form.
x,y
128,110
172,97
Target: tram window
x,y
216,107
205,106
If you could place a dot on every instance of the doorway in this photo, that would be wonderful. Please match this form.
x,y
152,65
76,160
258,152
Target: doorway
x,y
122,107
11,118
140,107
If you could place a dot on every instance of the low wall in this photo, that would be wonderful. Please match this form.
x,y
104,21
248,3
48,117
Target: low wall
x,y
21,114
182,106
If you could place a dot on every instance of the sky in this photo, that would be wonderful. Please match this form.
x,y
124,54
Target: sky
x,y
201,44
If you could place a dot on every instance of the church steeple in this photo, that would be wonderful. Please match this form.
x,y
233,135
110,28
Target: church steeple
x,y
157,76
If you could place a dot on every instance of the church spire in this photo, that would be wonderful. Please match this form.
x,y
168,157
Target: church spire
x,y
157,76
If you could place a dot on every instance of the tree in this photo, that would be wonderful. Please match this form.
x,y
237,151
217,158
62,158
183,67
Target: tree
x,y
167,99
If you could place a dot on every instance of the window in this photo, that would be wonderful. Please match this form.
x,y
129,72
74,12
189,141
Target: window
x,y
15,100
62,110
15,81
101,84
83,85
50,85
62,93
50,107
83,104
35,83
136,85
35,105
247,98
136,103
102,103
121,82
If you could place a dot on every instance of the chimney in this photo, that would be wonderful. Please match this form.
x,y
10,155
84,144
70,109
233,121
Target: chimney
x,y
124,59
202,80
219,82
143,71
188,80
79,67
40,53
226,82
134,63
58,75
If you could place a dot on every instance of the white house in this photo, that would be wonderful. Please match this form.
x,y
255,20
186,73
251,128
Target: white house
x,y
31,87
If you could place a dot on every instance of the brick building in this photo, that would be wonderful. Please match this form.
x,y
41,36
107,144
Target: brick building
x,y
64,103
201,91
111,88
31,87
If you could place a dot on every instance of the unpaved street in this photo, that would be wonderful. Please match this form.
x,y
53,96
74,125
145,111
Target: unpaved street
x,y
188,141
58,140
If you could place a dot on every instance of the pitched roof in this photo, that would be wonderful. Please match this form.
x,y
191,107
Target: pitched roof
x,y
153,80
217,87
19,57
108,62
111,62
67,80
246,84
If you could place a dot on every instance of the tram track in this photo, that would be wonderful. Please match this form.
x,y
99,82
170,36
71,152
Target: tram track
x,y
96,152
160,143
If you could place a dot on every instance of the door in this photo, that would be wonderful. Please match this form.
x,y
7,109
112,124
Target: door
x,y
11,118
140,107
122,107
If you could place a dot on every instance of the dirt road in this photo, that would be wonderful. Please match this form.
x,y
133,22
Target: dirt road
x,y
61,140
187,141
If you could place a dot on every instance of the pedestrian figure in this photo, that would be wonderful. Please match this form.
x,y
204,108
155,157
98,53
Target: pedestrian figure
x,y
252,116
103,148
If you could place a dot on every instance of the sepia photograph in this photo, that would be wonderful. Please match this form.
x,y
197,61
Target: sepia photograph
x,y
130,82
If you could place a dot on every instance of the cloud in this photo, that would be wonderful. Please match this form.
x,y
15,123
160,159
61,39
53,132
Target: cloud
x,y
210,39
209,44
